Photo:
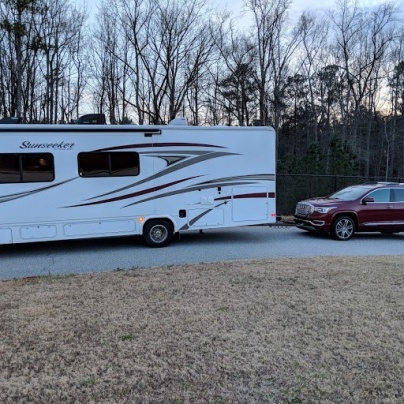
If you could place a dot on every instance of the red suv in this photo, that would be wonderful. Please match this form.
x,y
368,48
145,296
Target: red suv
x,y
360,208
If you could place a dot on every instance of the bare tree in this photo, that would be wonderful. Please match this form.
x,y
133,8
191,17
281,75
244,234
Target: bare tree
x,y
312,58
275,50
16,20
171,44
362,39
237,86
58,30
395,125
36,41
107,78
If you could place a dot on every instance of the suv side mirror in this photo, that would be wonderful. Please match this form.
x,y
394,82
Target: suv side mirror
x,y
367,199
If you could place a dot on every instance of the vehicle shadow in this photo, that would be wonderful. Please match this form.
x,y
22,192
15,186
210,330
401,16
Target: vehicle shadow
x,y
92,244
357,236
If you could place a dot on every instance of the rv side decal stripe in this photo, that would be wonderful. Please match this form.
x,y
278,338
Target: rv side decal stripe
x,y
200,186
164,195
132,195
270,195
170,169
187,190
153,145
253,177
11,197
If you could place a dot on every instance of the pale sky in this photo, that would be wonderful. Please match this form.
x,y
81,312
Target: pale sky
x,y
298,6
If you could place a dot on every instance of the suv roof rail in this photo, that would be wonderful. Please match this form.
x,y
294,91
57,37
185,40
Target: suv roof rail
x,y
381,183
388,182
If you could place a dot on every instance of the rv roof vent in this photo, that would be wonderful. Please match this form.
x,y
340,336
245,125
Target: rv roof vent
x,y
179,121
10,120
91,119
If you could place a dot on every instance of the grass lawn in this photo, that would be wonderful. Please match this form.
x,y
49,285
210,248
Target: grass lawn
x,y
324,330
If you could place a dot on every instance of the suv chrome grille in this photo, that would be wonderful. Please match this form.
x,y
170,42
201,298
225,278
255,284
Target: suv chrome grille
x,y
303,209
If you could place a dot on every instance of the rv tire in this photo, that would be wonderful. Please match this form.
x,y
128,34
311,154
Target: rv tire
x,y
157,233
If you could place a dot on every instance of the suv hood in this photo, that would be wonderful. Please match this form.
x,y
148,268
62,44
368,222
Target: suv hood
x,y
323,201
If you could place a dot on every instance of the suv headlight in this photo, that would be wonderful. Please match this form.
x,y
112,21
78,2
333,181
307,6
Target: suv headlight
x,y
320,209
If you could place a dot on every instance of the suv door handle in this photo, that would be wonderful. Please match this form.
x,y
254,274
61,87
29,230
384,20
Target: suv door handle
x,y
389,206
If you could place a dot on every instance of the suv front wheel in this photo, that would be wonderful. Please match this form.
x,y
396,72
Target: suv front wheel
x,y
343,228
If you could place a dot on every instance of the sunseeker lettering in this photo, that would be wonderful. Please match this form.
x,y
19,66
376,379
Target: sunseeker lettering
x,y
56,146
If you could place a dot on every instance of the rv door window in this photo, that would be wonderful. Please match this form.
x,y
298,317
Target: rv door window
x,y
26,167
108,164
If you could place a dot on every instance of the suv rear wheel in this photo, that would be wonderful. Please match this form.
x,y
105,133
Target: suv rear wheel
x,y
343,228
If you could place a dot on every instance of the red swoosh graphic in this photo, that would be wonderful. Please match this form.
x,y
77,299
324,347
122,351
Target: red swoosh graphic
x,y
134,194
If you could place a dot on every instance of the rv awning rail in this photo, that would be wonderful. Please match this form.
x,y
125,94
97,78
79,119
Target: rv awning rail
x,y
78,128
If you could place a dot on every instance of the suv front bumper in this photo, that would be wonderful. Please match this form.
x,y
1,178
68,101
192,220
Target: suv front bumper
x,y
311,224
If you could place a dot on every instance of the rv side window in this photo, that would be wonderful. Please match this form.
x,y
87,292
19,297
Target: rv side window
x,y
108,164
26,167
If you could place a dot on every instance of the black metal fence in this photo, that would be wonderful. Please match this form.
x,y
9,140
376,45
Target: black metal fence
x,y
291,188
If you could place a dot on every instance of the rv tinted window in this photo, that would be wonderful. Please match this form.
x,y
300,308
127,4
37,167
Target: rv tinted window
x,y
115,164
94,164
10,168
26,167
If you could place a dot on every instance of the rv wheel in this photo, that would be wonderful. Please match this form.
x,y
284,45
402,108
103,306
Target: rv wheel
x,y
157,233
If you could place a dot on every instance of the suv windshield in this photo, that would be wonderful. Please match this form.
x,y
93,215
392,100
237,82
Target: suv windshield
x,y
349,194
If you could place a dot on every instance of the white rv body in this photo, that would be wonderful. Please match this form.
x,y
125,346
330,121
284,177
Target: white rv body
x,y
192,178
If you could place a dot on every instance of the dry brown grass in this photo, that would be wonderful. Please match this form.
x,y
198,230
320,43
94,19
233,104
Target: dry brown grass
x,y
326,330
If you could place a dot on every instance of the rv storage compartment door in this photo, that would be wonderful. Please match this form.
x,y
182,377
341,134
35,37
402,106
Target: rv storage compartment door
x,y
205,217
6,236
38,232
99,227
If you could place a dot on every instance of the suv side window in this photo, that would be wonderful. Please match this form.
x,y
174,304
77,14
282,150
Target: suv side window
x,y
381,195
398,194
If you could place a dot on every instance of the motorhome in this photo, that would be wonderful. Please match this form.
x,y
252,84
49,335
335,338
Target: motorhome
x,y
60,182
